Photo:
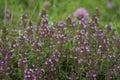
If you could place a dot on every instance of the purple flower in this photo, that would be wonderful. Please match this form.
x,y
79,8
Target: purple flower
x,y
3,52
99,51
3,66
22,63
109,4
61,24
80,61
73,76
38,71
91,74
9,56
47,4
22,37
50,62
14,44
29,74
81,13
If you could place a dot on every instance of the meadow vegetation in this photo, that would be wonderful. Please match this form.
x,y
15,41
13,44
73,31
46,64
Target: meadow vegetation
x,y
59,40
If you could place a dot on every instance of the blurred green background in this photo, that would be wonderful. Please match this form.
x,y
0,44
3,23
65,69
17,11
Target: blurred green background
x,y
59,9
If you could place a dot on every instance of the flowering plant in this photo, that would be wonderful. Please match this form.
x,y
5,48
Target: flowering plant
x,y
71,50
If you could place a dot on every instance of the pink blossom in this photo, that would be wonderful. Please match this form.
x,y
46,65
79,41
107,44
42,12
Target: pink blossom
x,y
81,13
109,4
47,4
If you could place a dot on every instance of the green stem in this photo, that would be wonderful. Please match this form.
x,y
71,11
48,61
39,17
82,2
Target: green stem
x,y
5,12
32,13
67,62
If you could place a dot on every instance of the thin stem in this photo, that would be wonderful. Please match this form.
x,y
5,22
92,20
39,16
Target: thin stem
x,y
37,4
5,13
67,62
